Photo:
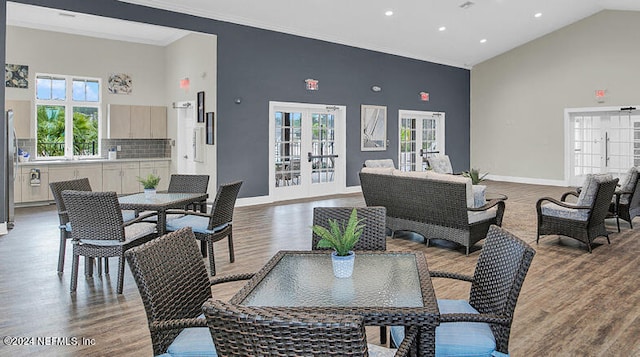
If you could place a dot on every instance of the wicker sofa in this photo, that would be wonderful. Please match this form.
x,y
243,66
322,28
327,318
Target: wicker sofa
x,y
434,205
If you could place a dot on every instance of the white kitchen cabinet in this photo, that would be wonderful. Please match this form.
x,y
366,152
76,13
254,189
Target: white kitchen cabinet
x,y
30,190
137,122
158,168
21,117
71,172
121,177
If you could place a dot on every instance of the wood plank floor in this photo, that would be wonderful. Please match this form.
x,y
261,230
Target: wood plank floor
x,y
572,303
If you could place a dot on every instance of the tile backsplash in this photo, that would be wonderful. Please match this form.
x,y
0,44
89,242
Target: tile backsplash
x,y
129,148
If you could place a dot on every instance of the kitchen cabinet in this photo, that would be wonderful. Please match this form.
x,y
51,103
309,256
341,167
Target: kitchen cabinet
x,y
21,117
121,177
30,190
137,122
158,168
71,172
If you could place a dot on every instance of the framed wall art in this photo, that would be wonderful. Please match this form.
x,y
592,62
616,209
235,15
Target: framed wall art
x,y
200,104
210,128
119,83
373,126
16,76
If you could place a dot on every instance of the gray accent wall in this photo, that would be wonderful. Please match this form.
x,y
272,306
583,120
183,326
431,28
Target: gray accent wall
x,y
261,66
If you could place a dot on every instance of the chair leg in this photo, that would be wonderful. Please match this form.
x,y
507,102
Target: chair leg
x,y
99,264
88,267
120,273
74,272
232,257
106,265
212,263
203,248
618,222
383,335
61,253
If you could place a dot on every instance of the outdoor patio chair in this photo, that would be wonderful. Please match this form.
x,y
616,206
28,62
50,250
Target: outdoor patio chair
x,y
99,230
626,202
583,220
190,184
255,331
481,325
214,226
173,283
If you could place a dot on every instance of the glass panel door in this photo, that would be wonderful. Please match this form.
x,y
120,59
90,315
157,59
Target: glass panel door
x,y
421,136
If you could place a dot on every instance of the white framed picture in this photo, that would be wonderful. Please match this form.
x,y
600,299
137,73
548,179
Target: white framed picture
x,y
373,128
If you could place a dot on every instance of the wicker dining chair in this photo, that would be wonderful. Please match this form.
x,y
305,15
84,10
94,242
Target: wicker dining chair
x,y
481,325
99,230
583,220
173,283
373,218
180,183
259,331
214,226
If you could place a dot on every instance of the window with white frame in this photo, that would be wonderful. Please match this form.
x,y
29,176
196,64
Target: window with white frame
x,y
67,116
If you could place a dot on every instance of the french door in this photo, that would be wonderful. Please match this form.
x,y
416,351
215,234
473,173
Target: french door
x,y
421,136
307,149
603,141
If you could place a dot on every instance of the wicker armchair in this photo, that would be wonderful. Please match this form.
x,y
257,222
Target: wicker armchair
x,y
488,314
212,227
626,204
173,283
99,230
374,235
583,220
190,184
255,331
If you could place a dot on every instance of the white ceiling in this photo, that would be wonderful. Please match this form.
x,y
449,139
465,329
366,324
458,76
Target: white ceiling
x,y
412,31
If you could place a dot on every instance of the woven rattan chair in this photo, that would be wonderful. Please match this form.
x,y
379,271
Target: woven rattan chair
x,y
626,203
487,316
583,220
99,230
190,184
374,232
212,227
255,331
173,283
374,236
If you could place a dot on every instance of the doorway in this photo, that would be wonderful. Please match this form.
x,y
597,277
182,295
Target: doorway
x,y
602,140
421,136
186,141
306,150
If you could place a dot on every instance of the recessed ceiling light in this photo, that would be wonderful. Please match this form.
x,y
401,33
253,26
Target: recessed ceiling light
x,y
538,14
441,28
388,12
483,40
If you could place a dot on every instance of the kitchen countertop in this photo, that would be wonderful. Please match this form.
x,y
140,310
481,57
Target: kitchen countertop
x,y
88,161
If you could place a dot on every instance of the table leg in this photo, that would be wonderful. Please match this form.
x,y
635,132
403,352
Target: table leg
x,y
427,341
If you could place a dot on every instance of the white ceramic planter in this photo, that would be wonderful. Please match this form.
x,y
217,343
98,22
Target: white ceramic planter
x,y
343,266
149,192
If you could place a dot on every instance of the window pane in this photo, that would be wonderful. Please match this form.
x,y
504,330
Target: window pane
x,y
93,91
43,88
85,90
58,90
78,90
50,141
85,131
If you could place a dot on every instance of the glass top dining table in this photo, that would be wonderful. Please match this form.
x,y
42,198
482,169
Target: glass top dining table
x,y
160,202
386,288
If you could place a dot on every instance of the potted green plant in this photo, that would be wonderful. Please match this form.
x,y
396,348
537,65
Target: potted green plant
x,y
150,183
474,175
341,237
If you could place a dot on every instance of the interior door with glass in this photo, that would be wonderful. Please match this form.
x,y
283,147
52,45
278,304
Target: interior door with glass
x,y
603,142
307,150
421,136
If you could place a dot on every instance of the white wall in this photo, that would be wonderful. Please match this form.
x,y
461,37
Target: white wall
x,y
59,53
193,57
518,98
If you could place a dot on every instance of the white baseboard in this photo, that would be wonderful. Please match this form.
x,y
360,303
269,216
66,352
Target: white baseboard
x,y
528,180
3,228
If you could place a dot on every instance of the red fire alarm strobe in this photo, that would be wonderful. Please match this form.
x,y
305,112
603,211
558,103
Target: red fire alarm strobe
x,y
424,96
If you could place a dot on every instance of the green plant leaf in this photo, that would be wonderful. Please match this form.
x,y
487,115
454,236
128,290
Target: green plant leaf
x,y
340,236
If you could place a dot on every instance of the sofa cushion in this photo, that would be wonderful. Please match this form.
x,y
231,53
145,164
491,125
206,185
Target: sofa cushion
x,y
479,216
628,184
455,178
416,174
441,164
590,188
378,170
554,210
193,341
478,195
379,163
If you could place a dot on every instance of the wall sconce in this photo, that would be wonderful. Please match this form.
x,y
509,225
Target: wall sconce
x,y
184,84
424,96
311,84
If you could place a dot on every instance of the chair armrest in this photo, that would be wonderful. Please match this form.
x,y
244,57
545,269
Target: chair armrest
x,y
490,203
232,277
177,324
559,203
408,345
447,275
190,213
488,318
567,194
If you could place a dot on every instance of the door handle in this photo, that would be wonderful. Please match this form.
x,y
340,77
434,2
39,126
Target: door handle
x,y
311,157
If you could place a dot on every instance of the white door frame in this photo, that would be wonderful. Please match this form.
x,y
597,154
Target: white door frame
x,y
340,132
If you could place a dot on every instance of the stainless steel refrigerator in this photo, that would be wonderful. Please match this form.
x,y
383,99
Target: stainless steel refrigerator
x,y
10,162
